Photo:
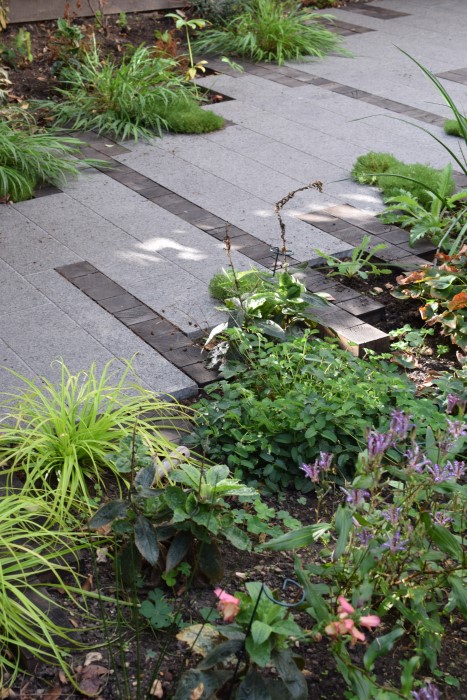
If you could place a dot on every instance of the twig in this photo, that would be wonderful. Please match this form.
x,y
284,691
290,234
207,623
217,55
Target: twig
x,y
318,185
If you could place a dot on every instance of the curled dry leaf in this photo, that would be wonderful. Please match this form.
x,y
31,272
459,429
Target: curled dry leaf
x,y
101,555
53,694
90,679
197,692
92,657
156,689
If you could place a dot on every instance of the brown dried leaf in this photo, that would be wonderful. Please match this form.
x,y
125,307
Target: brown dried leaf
x,y
90,679
157,690
92,657
197,692
53,694
87,585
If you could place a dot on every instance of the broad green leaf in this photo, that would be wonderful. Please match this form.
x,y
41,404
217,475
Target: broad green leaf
x,y
211,681
259,653
107,513
146,540
380,646
145,477
220,653
297,538
237,537
459,593
260,631
178,550
253,688
315,599
343,526
210,561
291,675
443,538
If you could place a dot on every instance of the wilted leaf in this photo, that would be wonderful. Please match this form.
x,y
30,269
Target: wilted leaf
x,y
156,689
197,692
201,638
90,679
92,657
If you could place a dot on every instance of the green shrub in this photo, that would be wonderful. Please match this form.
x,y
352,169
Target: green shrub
x,y
217,12
142,96
290,401
270,30
383,169
30,156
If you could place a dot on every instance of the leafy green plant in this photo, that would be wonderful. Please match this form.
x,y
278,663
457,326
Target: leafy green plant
x,y
397,546
442,288
68,44
411,340
288,402
61,437
142,96
392,176
31,549
440,221
122,22
190,24
360,258
456,127
228,283
4,85
158,611
218,12
166,525
261,635
263,520
270,30
30,156
281,304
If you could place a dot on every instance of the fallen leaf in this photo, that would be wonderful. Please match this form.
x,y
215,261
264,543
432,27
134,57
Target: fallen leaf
x,y
62,677
157,690
200,637
53,694
87,585
90,679
92,657
197,692
101,555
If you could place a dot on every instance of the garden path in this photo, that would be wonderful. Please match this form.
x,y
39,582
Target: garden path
x,y
154,226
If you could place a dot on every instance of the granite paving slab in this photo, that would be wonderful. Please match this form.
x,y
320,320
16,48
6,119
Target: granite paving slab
x,y
151,228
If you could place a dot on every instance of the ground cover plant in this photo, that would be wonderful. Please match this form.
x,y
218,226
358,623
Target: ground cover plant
x,y
285,404
442,289
139,97
270,30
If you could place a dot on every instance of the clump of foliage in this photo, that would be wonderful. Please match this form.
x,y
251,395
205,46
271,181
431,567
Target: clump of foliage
x,y
440,220
31,550
30,155
442,287
360,259
280,306
59,437
166,524
456,127
67,44
392,175
4,84
17,52
227,284
270,30
290,401
396,546
142,96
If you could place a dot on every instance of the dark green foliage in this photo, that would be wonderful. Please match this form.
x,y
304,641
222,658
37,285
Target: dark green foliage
x,y
270,30
382,169
30,156
292,400
141,97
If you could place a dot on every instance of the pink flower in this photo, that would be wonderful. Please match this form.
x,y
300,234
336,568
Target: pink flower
x,y
370,621
227,604
344,606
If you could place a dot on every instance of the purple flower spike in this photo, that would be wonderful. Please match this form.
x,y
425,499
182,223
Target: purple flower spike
x,y
442,518
457,469
311,471
400,425
439,474
356,497
429,692
378,443
392,515
453,401
416,459
325,461
457,428
364,535
395,543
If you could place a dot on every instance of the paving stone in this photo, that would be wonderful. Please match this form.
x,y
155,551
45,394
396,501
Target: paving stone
x,y
182,357
200,374
121,302
137,314
364,308
363,336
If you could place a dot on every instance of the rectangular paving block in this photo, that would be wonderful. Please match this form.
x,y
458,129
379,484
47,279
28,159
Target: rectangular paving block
x,y
137,314
200,374
121,302
364,336
364,308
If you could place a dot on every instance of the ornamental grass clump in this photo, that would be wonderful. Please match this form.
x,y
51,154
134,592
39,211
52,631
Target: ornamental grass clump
x,y
61,438
30,156
141,97
270,30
